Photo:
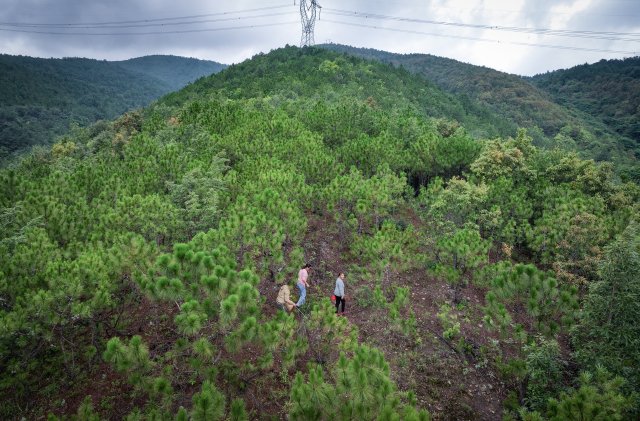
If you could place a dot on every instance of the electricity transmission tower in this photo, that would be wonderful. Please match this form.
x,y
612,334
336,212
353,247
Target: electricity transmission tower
x,y
308,10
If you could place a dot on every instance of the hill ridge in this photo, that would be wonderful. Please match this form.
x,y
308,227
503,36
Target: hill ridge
x,y
519,100
40,98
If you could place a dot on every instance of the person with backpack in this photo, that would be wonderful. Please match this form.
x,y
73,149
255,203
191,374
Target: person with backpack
x,y
303,284
339,292
284,299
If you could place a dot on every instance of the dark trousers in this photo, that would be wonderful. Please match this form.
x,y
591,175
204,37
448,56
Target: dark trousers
x,y
338,301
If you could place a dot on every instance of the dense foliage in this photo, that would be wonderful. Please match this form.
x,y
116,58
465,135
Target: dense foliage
x,y
142,258
41,98
608,90
175,72
592,109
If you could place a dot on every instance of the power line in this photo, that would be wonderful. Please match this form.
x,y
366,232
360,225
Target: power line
x,y
474,26
528,12
485,39
186,31
146,25
145,20
540,31
308,11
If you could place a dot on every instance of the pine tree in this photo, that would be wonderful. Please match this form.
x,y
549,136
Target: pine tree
x,y
458,255
359,389
238,411
599,397
361,204
208,404
327,332
385,253
551,305
608,332
545,369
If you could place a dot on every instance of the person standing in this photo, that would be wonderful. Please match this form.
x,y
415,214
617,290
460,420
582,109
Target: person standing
x,y
303,284
339,292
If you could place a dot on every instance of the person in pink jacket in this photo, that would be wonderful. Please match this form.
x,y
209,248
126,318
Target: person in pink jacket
x,y
303,284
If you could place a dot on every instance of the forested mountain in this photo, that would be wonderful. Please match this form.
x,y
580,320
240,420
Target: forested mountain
x,y
486,279
40,98
550,119
608,90
175,72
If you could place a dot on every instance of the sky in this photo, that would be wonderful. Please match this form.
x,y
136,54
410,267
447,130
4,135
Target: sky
x,y
524,37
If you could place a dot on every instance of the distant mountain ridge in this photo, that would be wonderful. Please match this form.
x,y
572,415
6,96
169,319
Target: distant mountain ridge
x,y
534,103
174,71
608,90
40,98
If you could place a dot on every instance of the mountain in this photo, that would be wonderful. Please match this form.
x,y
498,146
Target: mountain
x,y
523,102
608,90
400,90
142,258
175,72
41,98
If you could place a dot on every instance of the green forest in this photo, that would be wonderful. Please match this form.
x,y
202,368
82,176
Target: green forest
x,y
488,276
608,90
41,99
175,72
590,109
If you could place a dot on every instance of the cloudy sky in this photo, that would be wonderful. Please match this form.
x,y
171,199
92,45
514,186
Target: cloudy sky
x,y
516,36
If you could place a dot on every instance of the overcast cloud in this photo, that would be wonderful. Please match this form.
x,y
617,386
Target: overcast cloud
x,y
233,37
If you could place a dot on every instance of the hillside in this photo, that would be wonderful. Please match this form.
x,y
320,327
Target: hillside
x,y
41,98
142,258
522,104
398,89
175,72
608,90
